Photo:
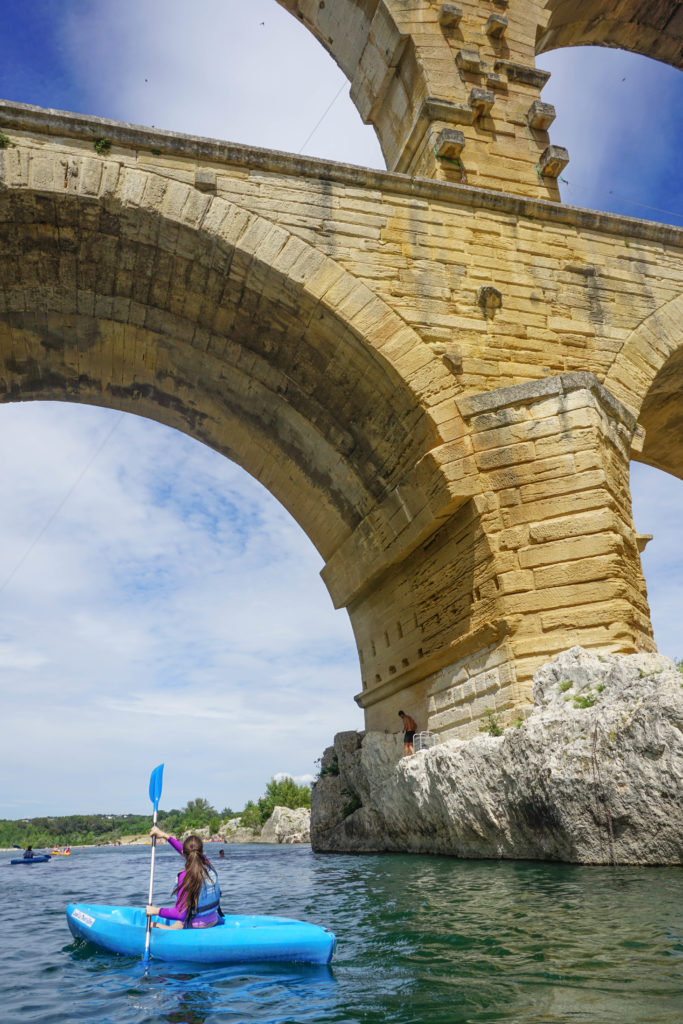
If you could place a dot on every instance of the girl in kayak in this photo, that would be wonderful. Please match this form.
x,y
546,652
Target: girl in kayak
x,y
197,890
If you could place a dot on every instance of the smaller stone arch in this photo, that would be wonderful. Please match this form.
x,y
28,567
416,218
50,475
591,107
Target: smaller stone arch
x,y
653,28
648,378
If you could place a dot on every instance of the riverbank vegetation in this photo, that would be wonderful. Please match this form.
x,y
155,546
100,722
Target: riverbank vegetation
x,y
283,793
102,829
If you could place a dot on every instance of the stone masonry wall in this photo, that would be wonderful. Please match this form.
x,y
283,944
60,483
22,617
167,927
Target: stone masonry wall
x,y
416,369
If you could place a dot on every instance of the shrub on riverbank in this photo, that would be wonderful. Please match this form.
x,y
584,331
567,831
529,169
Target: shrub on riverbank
x,y
100,829
93,829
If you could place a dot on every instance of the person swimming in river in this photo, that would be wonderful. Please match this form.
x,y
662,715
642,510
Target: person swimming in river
x,y
197,890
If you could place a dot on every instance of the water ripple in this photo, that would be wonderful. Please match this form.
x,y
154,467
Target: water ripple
x,y
419,940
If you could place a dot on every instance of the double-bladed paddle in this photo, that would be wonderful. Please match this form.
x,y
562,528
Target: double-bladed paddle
x,y
155,782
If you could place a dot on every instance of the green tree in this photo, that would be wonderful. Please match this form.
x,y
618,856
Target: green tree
x,y
198,813
251,817
284,793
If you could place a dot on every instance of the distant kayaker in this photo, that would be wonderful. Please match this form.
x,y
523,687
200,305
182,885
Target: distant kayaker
x,y
409,727
28,853
197,890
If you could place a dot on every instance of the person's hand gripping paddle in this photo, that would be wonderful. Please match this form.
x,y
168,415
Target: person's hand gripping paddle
x,y
155,782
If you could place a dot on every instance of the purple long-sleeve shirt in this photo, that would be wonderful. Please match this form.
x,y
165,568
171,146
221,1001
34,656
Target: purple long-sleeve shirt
x,y
178,913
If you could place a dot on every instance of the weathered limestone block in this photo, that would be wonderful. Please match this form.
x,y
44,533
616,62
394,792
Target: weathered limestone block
x,y
287,825
533,441
232,834
593,775
283,826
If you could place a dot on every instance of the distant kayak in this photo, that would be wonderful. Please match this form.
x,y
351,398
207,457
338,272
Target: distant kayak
x,y
31,860
238,939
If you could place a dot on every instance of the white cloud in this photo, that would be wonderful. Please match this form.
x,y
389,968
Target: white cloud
x,y
299,779
141,626
12,658
248,73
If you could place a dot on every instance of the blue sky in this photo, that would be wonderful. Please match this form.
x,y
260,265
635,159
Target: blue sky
x,y
148,585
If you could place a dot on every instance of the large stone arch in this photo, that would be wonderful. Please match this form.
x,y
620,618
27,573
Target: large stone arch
x,y
470,536
133,291
648,378
124,288
653,28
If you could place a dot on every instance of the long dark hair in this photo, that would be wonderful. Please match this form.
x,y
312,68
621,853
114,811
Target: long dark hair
x,y
197,871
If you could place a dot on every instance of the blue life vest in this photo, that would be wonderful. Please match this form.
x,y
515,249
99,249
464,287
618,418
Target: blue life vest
x,y
209,901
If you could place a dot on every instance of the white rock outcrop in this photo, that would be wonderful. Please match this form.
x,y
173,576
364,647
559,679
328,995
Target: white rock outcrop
x,y
593,775
287,826
283,826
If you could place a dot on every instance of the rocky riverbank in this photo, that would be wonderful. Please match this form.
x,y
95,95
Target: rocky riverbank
x,y
593,775
283,826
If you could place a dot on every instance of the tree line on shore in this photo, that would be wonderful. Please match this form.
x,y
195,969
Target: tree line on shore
x,y
94,829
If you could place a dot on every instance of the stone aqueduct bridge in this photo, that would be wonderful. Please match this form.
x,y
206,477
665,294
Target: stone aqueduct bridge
x,y
440,371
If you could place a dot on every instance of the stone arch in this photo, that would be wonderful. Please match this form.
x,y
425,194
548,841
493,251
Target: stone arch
x,y
376,53
648,377
122,288
653,28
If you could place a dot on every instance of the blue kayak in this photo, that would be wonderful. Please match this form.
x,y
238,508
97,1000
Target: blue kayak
x,y
237,939
31,860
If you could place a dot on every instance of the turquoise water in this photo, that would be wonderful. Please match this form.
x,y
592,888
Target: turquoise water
x,y
420,939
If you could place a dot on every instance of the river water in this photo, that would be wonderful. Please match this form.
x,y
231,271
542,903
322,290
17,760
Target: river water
x,y
420,939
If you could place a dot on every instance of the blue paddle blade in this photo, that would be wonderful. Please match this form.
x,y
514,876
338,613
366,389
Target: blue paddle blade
x,y
155,782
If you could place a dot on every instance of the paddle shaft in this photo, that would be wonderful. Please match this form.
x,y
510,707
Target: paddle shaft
x,y
148,931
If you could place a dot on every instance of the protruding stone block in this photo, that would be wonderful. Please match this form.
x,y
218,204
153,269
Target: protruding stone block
x,y
489,299
553,161
453,360
449,143
205,179
481,101
495,81
450,15
540,115
468,60
523,73
496,26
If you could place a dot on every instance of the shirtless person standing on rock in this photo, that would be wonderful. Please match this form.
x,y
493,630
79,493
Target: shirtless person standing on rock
x,y
409,727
